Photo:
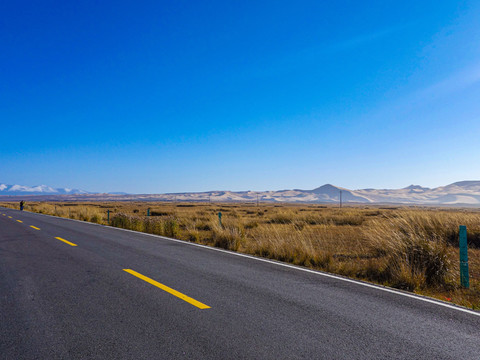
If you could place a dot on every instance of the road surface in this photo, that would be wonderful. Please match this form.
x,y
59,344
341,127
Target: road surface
x,y
74,290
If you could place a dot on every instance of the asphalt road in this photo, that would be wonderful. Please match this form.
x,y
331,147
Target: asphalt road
x,y
182,301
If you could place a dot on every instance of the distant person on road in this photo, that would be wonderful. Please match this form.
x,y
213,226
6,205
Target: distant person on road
x,y
22,204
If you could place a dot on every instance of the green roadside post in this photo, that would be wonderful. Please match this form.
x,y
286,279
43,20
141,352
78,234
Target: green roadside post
x,y
148,212
464,277
220,219
108,217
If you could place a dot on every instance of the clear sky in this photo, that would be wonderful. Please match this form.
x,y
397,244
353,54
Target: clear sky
x,y
175,96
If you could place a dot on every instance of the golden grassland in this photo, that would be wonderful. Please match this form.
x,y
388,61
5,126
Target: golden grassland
x,y
414,249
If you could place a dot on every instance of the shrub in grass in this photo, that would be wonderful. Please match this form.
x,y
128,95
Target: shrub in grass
x,y
155,227
160,213
282,218
229,237
95,218
121,220
148,225
170,228
251,225
353,220
203,226
417,256
193,235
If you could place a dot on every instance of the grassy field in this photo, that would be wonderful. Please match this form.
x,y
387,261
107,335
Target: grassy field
x,y
414,249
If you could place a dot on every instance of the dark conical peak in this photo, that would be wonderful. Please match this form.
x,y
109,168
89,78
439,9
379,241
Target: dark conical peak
x,y
327,189
327,186
416,188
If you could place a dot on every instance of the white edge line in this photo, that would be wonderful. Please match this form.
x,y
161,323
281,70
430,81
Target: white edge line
x,y
317,272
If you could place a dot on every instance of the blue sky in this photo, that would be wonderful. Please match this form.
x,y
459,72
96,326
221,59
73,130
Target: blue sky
x,y
174,96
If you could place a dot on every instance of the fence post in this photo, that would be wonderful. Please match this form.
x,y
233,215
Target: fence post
x,y
108,217
464,277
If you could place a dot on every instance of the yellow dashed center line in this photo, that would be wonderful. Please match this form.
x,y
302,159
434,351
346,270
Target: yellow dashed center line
x,y
66,241
171,291
184,297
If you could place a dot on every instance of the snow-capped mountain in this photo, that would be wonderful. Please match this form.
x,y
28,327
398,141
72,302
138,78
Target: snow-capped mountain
x,y
37,190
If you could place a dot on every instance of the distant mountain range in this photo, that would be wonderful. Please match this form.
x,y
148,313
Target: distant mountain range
x,y
37,190
460,193
465,193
